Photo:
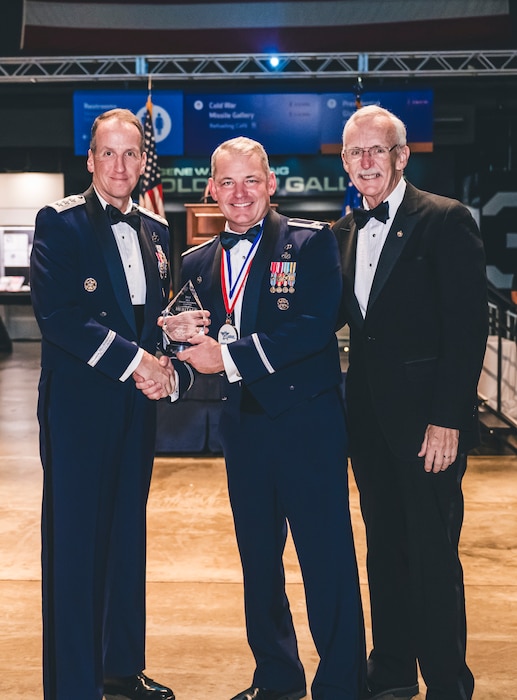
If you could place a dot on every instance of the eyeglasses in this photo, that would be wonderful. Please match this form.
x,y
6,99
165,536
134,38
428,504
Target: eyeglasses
x,y
374,152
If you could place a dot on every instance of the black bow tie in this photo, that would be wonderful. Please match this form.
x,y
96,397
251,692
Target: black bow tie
x,y
362,216
229,239
115,216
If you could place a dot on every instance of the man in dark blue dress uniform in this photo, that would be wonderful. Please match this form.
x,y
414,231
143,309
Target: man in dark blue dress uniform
x,y
99,281
273,288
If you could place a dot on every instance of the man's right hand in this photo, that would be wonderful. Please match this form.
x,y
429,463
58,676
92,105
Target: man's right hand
x,y
155,377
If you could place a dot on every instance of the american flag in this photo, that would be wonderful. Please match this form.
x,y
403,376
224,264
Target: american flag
x,y
151,189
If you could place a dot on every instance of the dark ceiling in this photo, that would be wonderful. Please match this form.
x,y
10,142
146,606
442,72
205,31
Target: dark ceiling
x,y
129,27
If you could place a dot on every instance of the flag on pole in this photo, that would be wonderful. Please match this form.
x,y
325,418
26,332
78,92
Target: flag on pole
x,y
353,198
358,91
151,188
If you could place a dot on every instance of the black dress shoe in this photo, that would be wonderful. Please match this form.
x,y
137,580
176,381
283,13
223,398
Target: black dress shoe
x,y
265,694
137,687
403,693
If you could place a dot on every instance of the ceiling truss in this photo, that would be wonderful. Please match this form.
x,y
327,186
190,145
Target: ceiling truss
x,y
239,66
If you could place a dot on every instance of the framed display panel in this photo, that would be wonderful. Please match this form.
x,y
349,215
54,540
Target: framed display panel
x,y
15,250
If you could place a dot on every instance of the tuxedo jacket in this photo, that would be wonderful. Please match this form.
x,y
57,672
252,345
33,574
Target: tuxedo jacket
x,y
287,351
417,354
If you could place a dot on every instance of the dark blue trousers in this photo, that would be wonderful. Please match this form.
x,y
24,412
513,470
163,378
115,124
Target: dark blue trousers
x,y
97,457
292,472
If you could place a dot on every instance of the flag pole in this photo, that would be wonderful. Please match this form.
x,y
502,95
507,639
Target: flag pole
x,y
151,188
149,104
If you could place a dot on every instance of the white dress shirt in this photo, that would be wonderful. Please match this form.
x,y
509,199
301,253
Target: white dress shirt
x,y
370,242
131,255
238,255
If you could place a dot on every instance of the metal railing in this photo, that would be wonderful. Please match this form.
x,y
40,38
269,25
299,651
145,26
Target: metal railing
x,y
502,316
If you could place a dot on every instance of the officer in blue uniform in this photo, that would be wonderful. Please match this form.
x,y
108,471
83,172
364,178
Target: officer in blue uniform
x,y
273,301
97,289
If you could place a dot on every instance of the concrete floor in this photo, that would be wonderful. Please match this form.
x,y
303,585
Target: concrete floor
x,y
196,637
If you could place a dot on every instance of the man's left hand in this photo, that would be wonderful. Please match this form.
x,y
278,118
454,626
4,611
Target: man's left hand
x,y
181,327
204,355
440,448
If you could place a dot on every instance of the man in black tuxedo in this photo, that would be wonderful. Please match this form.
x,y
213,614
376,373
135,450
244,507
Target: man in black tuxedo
x,y
414,297
274,299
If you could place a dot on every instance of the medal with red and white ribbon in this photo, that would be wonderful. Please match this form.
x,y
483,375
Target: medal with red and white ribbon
x,y
232,290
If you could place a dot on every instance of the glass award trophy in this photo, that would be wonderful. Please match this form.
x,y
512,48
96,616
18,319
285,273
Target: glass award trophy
x,y
175,338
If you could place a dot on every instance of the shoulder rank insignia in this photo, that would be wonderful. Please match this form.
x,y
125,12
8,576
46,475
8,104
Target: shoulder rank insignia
x,y
197,247
152,215
74,200
307,223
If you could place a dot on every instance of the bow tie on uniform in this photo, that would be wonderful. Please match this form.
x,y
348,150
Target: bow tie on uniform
x,y
229,239
362,216
115,216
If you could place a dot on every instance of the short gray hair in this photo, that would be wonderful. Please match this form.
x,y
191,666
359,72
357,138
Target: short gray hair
x,y
244,146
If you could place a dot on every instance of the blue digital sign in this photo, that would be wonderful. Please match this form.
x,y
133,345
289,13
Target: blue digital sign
x,y
284,123
296,123
413,107
167,115
301,124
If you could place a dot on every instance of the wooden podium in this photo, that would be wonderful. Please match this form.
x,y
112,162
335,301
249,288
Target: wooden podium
x,y
205,221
